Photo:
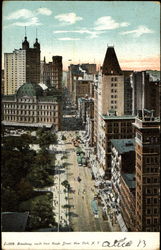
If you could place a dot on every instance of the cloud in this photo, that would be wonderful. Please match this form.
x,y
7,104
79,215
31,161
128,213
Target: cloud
x,y
107,23
34,21
22,13
68,39
138,32
92,34
69,18
44,11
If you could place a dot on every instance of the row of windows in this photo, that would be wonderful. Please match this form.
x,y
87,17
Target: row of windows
x,y
113,107
113,79
113,84
154,210
113,90
151,191
113,96
151,169
151,159
24,112
147,180
30,119
114,102
151,139
15,106
152,221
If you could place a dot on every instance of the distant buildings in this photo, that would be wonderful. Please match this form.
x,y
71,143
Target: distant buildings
x,y
32,107
145,91
51,73
147,148
80,81
127,92
23,65
86,113
2,81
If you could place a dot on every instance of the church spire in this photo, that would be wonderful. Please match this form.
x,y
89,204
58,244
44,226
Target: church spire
x,y
36,44
25,43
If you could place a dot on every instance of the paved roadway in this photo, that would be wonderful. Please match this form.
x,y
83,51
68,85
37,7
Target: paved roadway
x,y
81,216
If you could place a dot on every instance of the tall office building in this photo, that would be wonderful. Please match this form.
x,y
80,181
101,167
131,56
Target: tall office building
x,y
23,65
147,148
145,91
51,73
109,99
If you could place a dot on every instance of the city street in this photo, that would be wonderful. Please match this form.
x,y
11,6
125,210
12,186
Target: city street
x,y
81,216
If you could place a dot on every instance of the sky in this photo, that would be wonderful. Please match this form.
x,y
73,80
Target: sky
x,y
81,31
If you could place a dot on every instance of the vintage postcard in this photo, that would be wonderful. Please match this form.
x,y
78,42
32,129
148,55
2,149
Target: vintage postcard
x,y
80,95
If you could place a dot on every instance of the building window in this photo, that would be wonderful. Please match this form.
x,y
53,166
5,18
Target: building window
x,y
149,191
148,201
148,221
148,180
155,190
148,211
155,220
155,210
155,200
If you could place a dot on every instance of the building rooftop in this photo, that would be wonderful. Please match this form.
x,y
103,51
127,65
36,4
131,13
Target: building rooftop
x,y
115,117
8,97
83,99
123,145
29,89
14,221
154,75
21,124
111,65
129,179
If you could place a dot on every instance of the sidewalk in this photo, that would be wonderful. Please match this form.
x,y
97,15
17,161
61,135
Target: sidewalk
x,y
59,196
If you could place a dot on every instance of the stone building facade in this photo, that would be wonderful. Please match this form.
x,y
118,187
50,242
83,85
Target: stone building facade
x,y
123,178
31,107
51,73
147,148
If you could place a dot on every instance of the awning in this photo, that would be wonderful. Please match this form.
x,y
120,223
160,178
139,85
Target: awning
x,y
121,223
102,172
95,171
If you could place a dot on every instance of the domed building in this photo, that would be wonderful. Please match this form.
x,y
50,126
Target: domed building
x,y
32,106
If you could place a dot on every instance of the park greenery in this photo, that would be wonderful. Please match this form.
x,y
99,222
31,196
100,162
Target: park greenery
x,y
24,171
66,184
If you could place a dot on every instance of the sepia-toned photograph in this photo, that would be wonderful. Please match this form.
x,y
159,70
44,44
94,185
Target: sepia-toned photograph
x,y
80,124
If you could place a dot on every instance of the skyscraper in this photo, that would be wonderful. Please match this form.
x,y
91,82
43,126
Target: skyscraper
x,y
23,65
109,98
147,148
51,73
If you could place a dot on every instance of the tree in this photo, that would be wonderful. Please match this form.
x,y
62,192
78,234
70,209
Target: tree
x,y
41,214
45,137
66,184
